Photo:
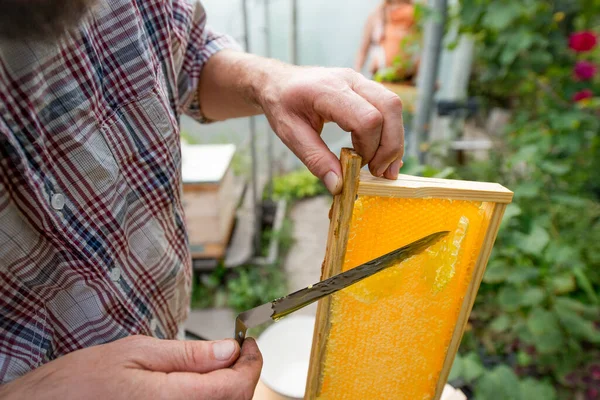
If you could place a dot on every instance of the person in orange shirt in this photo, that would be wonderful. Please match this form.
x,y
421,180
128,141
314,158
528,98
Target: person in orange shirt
x,y
389,25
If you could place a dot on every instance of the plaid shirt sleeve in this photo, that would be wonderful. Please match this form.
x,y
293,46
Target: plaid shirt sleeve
x,y
194,44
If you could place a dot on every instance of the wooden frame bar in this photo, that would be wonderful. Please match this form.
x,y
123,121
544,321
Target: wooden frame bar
x,y
337,239
356,184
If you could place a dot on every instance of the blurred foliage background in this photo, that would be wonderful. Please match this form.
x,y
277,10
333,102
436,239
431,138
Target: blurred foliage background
x,y
534,332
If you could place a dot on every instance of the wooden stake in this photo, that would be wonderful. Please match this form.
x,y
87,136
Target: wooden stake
x,y
337,239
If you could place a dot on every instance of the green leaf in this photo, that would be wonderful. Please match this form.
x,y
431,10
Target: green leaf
x,y
572,305
500,323
457,369
539,60
537,390
523,274
472,367
555,168
525,154
534,242
509,299
512,210
500,15
522,332
532,297
577,325
445,173
501,383
527,190
496,272
564,283
524,359
544,327
570,200
585,284
561,254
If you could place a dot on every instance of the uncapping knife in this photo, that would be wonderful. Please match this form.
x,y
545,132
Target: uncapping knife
x,y
283,306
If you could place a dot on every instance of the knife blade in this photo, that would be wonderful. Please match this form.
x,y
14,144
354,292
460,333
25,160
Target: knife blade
x,y
284,306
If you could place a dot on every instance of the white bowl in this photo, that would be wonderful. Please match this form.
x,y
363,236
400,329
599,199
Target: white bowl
x,y
285,347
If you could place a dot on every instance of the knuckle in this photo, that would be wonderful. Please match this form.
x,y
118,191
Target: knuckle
x,y
347,74
313,161
395,147
347,71
373,119
393,102
401,148
192,354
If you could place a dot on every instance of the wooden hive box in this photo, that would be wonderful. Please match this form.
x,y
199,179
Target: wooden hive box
x,y
395,334
210,198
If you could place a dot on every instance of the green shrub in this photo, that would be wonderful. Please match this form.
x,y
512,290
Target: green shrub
x,y
535,328
297,185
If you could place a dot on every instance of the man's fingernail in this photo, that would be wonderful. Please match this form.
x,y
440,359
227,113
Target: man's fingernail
x,y
401,163
223,350
332,182
394,168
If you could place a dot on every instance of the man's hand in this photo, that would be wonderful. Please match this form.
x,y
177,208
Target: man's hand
x,y
140,367
299,100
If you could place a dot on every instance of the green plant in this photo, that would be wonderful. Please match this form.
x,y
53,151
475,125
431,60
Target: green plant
x,y
255,285
283,236
539,297
297,185
249,285
499,382
536,321
413,167
522,46
208,289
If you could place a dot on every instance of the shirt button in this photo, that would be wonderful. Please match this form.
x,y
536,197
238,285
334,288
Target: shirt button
x,y
58,201
115,274
153,324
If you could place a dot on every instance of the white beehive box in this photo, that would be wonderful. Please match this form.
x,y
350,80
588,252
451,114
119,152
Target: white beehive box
x,y
210,197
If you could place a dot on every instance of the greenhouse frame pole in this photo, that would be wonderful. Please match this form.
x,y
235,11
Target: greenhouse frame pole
x,y
294,33
428,72
270,134
256,207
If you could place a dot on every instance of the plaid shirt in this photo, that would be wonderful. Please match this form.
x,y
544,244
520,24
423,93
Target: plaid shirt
x,y
93,245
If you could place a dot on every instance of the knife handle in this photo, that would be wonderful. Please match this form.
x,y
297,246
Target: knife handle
x,y
240,331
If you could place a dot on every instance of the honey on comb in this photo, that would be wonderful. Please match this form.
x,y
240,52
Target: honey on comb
x,y
390,333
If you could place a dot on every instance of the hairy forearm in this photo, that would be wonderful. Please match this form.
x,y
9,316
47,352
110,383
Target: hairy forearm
x,y
232,83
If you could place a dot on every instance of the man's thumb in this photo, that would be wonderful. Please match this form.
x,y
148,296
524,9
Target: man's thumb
x,y
189,356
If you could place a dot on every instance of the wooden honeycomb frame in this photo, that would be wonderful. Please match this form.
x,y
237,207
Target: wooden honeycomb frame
x,y
356,184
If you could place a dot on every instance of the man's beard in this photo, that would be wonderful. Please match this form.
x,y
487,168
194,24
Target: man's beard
x,y
40,20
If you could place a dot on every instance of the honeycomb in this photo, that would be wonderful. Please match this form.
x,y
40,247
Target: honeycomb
x,y
390,333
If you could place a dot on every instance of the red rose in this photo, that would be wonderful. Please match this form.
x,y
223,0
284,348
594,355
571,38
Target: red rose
x,y
583,41
582,95
585,70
